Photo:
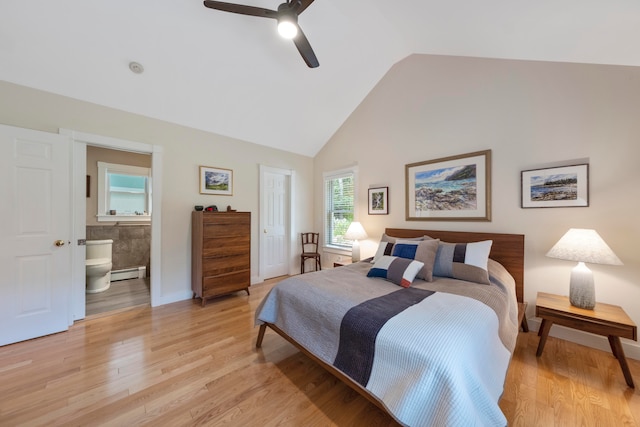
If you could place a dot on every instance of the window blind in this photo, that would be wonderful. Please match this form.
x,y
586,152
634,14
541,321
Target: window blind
x,y
339,207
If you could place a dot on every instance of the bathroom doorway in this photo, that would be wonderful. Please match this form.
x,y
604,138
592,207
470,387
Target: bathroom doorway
x,y
118,217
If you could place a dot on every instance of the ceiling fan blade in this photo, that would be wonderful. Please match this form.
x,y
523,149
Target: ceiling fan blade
x,y
241,9
304,47
299,6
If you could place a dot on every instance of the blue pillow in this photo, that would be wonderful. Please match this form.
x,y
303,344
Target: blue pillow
x,y
423,251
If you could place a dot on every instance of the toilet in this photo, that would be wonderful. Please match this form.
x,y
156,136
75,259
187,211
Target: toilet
x,y
98,265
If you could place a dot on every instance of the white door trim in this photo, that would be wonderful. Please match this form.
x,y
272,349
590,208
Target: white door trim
x,y
287,172
79,162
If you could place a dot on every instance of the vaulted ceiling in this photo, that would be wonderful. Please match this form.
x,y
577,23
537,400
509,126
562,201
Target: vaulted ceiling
x,y
233,75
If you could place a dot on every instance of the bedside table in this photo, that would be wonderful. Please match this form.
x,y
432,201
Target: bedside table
x,y
608,320
341,263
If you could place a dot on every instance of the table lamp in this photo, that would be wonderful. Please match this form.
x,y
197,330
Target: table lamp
x,y
355,232
583,245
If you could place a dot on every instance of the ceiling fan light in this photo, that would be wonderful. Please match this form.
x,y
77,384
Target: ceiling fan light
x,y
287,29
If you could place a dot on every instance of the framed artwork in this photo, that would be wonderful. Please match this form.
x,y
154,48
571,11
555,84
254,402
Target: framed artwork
x,y
379,201
216,181
456,188
557,187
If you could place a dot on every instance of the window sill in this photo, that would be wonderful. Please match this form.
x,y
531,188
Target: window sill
x,y
337,250
127,218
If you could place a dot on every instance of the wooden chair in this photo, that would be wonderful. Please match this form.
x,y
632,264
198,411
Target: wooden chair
x,y
310,250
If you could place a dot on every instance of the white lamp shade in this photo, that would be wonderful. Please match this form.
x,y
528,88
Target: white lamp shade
x,y
355,232
583,245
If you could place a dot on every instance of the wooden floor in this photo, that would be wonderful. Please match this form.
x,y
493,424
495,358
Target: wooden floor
x,y
121,294
184,365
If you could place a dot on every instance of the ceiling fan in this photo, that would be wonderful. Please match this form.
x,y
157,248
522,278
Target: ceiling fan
x,y
287,17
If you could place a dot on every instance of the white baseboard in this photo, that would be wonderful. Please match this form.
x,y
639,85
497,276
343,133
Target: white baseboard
x,y
173,297
631,349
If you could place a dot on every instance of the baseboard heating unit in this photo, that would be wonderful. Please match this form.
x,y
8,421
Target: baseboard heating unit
x,y
129,273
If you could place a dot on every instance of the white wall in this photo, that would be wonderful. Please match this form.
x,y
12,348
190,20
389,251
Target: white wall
x,y
531,115
184,150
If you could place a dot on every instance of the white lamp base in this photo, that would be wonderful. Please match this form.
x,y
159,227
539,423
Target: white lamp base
x,y
355,251
582,291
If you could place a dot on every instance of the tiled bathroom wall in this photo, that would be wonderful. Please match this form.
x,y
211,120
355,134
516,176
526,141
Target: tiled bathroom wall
x,y
131,243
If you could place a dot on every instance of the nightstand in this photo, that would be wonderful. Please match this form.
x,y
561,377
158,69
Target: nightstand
x,y
341,263
605,319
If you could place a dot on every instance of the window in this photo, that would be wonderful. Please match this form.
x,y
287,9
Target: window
x,y
339,190
124,192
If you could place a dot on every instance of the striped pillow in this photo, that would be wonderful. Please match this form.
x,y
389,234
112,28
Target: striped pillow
x,y
387,242
464,261
384,248
400,271
423,251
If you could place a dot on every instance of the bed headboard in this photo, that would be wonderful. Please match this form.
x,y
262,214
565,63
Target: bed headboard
x,y
507,249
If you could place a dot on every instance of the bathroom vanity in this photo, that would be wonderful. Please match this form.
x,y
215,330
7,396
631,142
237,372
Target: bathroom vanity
x,y
220,253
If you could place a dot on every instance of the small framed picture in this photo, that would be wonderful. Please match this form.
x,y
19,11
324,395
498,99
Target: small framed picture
x,y
557,187
379,201
216,181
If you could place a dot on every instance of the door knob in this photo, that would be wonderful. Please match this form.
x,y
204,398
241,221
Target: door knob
x,y
59,242
265,231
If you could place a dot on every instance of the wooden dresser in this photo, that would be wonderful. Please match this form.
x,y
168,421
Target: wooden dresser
x,y
220,253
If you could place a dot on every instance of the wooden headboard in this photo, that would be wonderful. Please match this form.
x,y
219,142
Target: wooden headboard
x,y
507,249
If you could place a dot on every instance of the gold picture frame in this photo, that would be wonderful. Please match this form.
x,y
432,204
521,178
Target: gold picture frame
x,y
216,181
456,188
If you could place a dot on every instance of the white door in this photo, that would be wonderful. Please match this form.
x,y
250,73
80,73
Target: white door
x,y
275,224
35,219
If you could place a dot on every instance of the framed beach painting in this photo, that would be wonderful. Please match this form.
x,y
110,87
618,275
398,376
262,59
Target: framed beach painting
x,y
379,201
456,188
216,181
557,187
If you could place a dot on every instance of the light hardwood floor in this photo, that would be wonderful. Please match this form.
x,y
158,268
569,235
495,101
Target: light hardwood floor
x,y
182,364
121,294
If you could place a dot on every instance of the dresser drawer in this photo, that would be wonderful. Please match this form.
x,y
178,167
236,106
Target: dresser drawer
x,y
227,264
226,247
223,231
226,283
227,218
221,225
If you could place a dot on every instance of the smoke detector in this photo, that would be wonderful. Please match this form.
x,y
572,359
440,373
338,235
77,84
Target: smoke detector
x,y
136,67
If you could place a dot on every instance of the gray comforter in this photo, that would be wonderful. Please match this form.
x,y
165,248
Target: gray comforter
x,y
439,358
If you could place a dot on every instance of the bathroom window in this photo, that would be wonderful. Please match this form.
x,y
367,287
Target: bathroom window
x,y
124,192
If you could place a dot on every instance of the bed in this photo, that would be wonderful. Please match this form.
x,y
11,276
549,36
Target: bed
x,y
432,350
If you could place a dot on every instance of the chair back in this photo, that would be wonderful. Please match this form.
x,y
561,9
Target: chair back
x,y
310,242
